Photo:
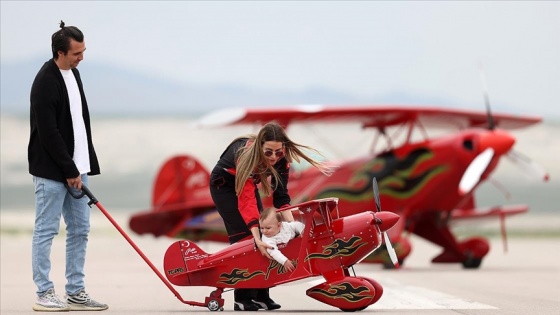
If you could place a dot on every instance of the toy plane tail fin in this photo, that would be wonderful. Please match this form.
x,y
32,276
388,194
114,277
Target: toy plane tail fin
x,y
182,258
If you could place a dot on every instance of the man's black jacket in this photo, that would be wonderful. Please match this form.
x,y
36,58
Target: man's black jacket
x,y
51,140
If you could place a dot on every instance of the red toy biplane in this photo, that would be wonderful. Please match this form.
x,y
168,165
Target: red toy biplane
x,y
329,246
428,182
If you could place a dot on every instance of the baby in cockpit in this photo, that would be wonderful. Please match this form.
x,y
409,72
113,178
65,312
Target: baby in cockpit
x,y
275,232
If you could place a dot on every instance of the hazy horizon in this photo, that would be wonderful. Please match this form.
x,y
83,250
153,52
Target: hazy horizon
x,y
131,151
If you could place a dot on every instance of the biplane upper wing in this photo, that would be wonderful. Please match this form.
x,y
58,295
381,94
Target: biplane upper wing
x,y
368,116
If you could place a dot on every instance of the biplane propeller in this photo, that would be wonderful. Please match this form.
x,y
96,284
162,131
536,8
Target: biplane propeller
x,y
502,143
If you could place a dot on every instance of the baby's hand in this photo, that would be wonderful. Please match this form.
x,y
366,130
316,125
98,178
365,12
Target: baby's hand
x,y
289,266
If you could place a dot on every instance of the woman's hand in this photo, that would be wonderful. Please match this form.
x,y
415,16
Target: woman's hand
x,y
287,215
262,246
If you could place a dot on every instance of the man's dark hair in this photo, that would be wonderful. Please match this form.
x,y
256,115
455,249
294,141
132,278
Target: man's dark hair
x,y
60,40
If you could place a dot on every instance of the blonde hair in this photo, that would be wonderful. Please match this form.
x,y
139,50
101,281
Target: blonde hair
x,y
253,162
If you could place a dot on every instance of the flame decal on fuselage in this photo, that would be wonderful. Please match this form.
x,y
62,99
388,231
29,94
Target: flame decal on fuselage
x,y
393,174
237,275
280,269
338,248
343,291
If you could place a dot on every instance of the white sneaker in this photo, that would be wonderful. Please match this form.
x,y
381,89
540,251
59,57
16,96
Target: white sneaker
x,y
81,301
50,302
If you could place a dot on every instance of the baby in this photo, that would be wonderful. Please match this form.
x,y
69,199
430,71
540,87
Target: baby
x,y
275,231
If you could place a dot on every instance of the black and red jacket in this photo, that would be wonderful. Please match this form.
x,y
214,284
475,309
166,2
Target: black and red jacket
x,y
247,202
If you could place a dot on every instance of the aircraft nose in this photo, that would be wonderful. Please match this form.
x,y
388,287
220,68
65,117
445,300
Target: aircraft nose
x,y
388,219
499,140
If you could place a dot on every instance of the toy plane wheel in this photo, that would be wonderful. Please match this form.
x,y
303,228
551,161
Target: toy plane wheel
x,y
214,305
214,302
353,309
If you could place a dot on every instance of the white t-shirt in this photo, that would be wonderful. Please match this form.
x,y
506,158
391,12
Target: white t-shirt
x,y
287,232
81,152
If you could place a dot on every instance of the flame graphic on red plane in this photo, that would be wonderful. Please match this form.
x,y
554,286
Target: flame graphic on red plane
x,y
237,275
338,248
344,291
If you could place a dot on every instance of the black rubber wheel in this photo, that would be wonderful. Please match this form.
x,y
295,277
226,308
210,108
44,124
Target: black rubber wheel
x,y
354,309
472,263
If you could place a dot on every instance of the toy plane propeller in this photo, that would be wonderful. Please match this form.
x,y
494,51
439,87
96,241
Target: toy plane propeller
x,y
390,248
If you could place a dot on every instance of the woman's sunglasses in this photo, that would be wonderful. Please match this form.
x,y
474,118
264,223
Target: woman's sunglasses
x,y
269,153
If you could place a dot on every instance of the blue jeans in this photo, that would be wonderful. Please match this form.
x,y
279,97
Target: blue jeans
x,y
51,200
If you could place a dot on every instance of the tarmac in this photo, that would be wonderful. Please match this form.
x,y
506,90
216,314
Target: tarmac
x,y
524,280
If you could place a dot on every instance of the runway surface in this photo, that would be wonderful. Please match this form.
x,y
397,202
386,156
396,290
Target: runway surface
x,y
525,280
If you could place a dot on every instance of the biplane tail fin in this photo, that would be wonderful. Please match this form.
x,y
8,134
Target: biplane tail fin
x,y
180,192
181,180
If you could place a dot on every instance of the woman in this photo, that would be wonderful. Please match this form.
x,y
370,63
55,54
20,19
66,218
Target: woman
x,y
247,162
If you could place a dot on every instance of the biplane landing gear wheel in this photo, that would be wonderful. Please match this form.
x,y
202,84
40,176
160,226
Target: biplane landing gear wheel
x,y
473,249
472,263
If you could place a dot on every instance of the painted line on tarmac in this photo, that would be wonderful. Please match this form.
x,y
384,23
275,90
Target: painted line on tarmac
x,y
399,296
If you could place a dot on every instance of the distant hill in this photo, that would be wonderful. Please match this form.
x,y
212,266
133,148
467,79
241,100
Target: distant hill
x,y
116,91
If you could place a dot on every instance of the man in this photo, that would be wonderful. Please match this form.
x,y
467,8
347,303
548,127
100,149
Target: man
x,y
61,153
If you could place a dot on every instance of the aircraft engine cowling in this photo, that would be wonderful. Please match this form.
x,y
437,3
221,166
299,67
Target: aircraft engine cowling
x,y
348,293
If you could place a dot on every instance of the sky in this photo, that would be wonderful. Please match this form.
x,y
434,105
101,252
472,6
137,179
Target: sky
x,y
431,49
427,50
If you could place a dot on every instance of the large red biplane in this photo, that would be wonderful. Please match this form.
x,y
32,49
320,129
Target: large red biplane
x,y
428,182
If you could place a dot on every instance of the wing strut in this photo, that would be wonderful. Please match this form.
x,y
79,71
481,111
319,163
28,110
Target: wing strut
x,y
503,230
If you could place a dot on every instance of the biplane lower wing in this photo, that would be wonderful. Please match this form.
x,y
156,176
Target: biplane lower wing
x,y
166,221
440,234
157,223
499,211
